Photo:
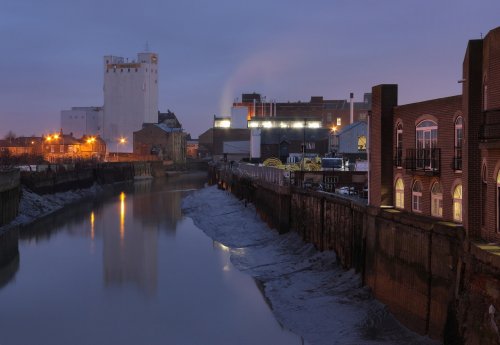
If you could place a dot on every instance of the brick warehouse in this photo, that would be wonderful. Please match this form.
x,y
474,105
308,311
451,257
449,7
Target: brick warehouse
x,y
441,158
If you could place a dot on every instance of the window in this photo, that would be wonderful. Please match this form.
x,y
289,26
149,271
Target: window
x,y
484,189
426,137
437,200
61,148
416,197
361,143
498,201
399,145
400,193
457,160
339,121
457,204
362,116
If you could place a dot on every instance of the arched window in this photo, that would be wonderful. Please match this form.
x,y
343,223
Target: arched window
x,y
484,193
361,143
400,193
457,204
426,142
416,196
437,200
457,159
398,161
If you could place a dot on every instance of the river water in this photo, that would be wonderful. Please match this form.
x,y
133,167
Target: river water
x,y
129,268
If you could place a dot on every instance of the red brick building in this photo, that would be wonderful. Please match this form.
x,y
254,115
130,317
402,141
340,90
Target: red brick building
x,y
333,113
441,158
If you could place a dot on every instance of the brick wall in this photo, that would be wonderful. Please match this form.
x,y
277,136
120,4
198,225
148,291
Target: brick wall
x,y
472,94
444,112
384,99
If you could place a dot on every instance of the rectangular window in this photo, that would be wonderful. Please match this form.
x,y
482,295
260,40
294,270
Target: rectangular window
x,y
339,121
61,148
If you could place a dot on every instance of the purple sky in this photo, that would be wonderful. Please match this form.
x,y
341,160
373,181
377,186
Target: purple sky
x,y
212,51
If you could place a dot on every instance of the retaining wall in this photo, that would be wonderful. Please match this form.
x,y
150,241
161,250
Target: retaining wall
x,y
10,193
428,274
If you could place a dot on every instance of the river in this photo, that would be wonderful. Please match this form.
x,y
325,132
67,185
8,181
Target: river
x,y
130,268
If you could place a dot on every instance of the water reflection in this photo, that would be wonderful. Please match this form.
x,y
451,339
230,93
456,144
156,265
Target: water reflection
x,y
150,277
131,258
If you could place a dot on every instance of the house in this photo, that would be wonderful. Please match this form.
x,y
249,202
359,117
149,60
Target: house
x,y
60,147
350,142
161,140
440,159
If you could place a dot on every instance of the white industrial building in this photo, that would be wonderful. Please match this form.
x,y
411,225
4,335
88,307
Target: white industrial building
x,y
130,97
81,121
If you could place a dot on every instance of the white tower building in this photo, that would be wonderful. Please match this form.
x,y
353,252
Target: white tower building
x,y
130,98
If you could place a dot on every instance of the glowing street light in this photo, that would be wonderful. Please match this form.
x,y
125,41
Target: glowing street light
x,y
121,140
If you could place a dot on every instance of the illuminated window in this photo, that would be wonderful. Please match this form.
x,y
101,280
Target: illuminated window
x,y
457,204
426,141
339,121
437,200
361,143
416,197
400,193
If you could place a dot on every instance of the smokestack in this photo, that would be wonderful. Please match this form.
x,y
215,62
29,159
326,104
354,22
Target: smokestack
x,y
352,107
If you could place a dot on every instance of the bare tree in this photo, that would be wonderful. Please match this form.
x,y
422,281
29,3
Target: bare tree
x,y
10,136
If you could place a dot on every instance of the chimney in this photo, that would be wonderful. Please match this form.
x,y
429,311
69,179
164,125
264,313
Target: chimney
x,y
352,107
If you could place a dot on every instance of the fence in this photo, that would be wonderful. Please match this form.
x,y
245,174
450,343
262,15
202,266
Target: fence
x,y
267,174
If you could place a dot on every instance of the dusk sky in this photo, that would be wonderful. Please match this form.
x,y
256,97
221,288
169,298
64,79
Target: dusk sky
x,y
212,51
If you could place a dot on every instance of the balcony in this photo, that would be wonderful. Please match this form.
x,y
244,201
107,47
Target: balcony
x,y
425,161
457,159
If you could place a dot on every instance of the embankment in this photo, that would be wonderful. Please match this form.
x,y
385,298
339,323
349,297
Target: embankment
x,y
433,279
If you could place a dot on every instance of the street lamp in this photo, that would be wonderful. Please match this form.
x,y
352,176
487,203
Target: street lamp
x,y
91,141
121,140
333,132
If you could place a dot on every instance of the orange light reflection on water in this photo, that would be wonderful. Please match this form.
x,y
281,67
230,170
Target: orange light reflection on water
x,y
122,216
92,229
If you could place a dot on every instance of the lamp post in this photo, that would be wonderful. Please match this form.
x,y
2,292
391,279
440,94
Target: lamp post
x,y
91,141
121,140
333,132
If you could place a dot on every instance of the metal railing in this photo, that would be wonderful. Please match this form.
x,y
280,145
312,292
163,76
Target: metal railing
x,y
423,160
263,173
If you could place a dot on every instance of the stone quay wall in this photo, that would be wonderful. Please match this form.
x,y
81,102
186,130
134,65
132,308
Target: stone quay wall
x,y
10,194
430,276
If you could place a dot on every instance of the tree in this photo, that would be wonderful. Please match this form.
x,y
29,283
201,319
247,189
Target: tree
x,y
10,135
